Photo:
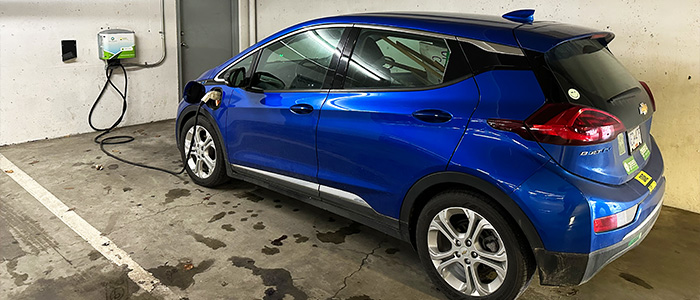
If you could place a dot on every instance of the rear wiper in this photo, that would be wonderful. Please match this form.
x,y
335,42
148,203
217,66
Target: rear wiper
x,y
624,94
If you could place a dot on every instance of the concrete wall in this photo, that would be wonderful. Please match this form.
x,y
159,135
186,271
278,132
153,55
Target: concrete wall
x,y
659,41
43,97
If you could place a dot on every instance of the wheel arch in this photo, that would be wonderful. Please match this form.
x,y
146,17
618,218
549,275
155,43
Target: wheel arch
x,y
424,189
188,113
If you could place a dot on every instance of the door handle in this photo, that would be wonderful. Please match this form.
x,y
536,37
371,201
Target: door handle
x,y
301,109
432,115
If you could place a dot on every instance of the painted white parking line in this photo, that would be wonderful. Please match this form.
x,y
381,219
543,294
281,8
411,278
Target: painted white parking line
x,y
93,236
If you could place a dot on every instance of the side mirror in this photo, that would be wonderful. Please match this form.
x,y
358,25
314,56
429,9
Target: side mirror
x,y
235,77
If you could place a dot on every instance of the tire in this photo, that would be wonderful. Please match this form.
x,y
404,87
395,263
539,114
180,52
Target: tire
x,y
500,274
206,164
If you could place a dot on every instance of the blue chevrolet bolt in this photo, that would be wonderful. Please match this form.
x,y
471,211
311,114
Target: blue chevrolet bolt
x,y
497,146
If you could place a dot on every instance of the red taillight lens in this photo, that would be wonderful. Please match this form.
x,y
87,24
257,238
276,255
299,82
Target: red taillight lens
x,y
615,221
605,223
565,124
651,96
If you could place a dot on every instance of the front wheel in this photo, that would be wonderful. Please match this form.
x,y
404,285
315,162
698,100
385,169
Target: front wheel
x,y
470,250
205,163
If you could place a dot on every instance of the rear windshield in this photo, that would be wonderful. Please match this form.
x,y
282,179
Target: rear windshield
x,y
590,75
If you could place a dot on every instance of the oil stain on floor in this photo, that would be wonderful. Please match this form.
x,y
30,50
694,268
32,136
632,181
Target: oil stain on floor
x,y
338,237
110,282
270,250
280,280
173,194
217,217
181,275
210,242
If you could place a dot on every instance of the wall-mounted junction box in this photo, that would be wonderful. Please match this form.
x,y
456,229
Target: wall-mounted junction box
x,y
117,42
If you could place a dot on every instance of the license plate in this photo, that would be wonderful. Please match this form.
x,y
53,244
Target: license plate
x,y
634,137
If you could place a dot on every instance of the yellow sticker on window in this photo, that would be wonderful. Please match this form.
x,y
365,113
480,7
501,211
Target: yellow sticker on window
x,y
643,177
652,186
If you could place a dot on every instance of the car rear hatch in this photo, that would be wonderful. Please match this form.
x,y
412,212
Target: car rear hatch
x,y
597,118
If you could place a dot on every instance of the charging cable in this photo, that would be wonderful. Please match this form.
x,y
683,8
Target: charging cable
x,y
123,139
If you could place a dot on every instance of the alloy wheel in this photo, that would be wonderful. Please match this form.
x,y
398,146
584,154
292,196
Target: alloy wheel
x,y
467,251
202,159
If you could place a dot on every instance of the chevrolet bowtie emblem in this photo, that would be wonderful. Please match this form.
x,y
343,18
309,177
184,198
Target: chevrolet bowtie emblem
x,y
643,108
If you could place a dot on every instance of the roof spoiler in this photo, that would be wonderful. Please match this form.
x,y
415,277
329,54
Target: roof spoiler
x,y
521,16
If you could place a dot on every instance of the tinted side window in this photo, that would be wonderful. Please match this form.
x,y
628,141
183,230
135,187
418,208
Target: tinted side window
x,y
483,61
301,61
245,63
387,59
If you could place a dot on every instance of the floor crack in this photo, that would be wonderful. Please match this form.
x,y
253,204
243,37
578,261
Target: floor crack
x,y
362,264
160,212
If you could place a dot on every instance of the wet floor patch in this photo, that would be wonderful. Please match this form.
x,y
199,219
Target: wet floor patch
x,y
391,250
252,197
104,282
94,255
636,280
228,227
259,226
210,242
361,297
217,217
181,275
279,280
338,236
270,250
300,238
173,194
113,167
19,278
278,241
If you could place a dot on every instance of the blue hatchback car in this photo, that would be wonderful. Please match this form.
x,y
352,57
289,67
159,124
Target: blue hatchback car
x,y
497,146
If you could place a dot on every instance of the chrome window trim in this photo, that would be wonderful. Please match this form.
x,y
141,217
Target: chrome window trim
x,y
493,47
406,30
218,78
320,26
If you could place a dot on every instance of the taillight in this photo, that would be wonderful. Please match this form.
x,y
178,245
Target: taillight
x,y
651,96
615,221
565,124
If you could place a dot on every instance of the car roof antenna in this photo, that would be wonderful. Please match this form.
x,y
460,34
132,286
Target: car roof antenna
x,y
521,16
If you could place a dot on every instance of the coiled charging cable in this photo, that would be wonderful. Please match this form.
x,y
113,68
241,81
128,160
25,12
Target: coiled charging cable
x,y
102,140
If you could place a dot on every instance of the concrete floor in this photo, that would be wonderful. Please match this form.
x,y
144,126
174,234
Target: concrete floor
x,y
240,241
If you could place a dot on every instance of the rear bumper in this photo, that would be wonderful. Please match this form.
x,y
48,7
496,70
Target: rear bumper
x,y
561,268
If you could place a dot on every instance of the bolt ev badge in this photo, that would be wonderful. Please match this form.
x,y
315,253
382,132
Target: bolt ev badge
x,y
643,109
594,152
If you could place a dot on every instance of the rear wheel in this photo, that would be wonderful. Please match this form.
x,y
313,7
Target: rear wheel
x,y
470,250
205,163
